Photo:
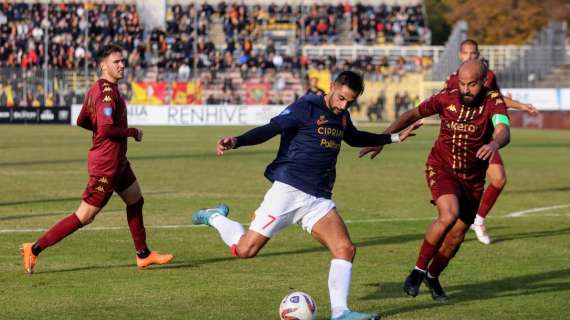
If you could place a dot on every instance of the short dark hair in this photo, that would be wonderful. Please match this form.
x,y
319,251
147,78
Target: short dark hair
x,y
469,42
106,51
352,80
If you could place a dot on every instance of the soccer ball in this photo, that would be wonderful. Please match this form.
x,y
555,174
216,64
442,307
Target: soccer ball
x,y
298,306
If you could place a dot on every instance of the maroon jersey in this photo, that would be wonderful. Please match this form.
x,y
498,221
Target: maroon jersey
x,y
452,81
462,132
104,112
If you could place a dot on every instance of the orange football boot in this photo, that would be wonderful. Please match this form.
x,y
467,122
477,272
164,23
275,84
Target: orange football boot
x,y
28,258
154,258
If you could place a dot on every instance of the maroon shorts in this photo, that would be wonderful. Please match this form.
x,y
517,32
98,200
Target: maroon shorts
x,y
496,159
468,193
100,188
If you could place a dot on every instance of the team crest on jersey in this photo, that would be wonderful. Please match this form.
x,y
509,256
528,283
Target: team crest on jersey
x,y
107,99
452,108
108,111
322,120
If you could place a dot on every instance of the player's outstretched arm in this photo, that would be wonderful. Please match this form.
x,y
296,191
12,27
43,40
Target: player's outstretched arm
x,y
526,107
252,137
408,132
406,120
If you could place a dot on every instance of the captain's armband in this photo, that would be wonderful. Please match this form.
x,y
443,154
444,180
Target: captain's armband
x,y
500,119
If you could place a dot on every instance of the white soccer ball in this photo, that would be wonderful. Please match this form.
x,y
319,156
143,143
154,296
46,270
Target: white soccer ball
x,y
298,306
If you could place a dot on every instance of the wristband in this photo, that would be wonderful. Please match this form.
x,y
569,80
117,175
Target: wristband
x,y
395,137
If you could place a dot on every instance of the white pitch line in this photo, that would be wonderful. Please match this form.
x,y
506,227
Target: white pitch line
x,y
516,214
524,212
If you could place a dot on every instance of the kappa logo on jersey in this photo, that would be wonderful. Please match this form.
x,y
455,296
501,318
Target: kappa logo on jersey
x,y
494,94
452,108
100,189
344,122
108,111
107,89
103,180
107,99
322,120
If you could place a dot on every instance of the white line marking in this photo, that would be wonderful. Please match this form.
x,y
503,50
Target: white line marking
x,y
524,212
517,214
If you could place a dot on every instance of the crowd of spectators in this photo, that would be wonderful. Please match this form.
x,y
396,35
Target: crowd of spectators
x,y
23,27
388,24
76,30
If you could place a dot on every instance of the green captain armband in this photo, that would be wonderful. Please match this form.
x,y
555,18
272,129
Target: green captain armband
x,y
500,118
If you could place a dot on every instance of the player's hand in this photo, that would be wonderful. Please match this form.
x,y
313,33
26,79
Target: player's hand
x,y
374,151
139,135
408,132
225,143
530,109
486,151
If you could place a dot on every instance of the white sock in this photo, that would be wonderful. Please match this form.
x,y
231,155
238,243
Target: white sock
x,y
229,230
339,285
479,220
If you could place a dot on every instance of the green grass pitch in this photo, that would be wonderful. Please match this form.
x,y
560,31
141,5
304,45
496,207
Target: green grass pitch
x,y
524,274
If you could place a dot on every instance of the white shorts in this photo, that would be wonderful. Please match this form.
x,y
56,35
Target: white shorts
x,y
285,205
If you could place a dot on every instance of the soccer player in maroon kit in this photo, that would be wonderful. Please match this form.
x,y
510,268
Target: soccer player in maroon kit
x,y
474,125
104,113
469,50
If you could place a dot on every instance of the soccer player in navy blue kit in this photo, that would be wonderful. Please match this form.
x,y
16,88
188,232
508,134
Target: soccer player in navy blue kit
x,y
303,175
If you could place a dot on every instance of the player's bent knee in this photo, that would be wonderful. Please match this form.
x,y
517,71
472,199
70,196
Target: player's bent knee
x,y
137,205
447,219
345,251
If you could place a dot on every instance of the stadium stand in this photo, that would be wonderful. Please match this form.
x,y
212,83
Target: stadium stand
x,y
254,50
251,52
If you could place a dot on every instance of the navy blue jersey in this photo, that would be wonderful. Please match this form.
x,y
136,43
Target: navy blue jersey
x,y
310,142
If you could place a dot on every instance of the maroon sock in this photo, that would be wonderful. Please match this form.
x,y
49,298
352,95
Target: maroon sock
x,y
427,252
136,225
438,264
60,230
488,201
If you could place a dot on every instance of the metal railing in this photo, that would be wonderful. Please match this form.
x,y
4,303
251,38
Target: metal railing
x,y
544,53
392,53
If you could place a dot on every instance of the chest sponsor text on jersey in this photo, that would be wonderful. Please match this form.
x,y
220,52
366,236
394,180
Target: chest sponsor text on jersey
x,y
462,127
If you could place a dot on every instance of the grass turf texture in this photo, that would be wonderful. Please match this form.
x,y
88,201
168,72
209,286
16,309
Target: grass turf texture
x,y
92,274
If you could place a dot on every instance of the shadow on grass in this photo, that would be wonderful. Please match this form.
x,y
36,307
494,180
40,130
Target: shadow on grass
x,y
545,282
50,200
531,235
197,263
376,241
